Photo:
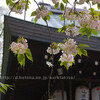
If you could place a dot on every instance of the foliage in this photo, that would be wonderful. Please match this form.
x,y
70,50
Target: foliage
x,y
3,87
20,48
88,20
89,23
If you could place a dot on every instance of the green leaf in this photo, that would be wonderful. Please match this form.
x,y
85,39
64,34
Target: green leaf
x,y
61,17
62,6
2,90
65,1
79,51
56,5
98,5
35,20
3,87
9,86
85,31
83,45
21,59
48,17
94,32
33,13
82,51
87,1
28,54
50,13
61,30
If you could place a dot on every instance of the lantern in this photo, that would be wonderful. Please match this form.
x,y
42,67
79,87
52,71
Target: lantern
x,y
82,93
96,93
58,95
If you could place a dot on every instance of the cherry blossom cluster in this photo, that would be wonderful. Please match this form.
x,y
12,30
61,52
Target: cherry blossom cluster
x,y
49,64
68,58
90,21
84,18
96,1
72,31
20,7
55,1
68,49
19,47
53,51
69,14
41,12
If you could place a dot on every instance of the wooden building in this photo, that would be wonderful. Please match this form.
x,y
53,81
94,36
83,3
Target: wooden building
x,y
85,71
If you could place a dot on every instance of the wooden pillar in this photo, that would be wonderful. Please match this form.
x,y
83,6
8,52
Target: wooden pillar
x,y
62,90
70,89
90,86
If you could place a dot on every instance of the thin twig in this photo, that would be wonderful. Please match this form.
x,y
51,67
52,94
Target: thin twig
x,y
91,10
74,10
9,15
49,82
73,7
37,5
24,18
13,7
25,9
64,17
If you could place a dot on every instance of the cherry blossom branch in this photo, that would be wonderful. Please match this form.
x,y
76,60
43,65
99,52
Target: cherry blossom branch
x,y
25,9
52,62
37,5
74,10
64,17
13,7
72,7
25,16
9,15
52,57
91,9
69,3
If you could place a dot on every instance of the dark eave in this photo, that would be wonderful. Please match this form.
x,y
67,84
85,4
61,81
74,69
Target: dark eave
x,y
38,41
38,32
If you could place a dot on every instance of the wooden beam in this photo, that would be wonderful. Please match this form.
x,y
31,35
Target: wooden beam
x,y
70,89
87,80
62,90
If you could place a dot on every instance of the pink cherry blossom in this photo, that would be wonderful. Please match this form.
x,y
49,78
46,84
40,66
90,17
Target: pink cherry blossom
x,y
24,40
86,19
21,51
49,64
55,1
25,45
69,47
14,47
53,51
81,2
96,1
67,58
72,31
19,47
69,14
18,10
68,64
41,13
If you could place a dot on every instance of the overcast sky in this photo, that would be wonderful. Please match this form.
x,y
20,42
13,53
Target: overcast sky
x,y
32,7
